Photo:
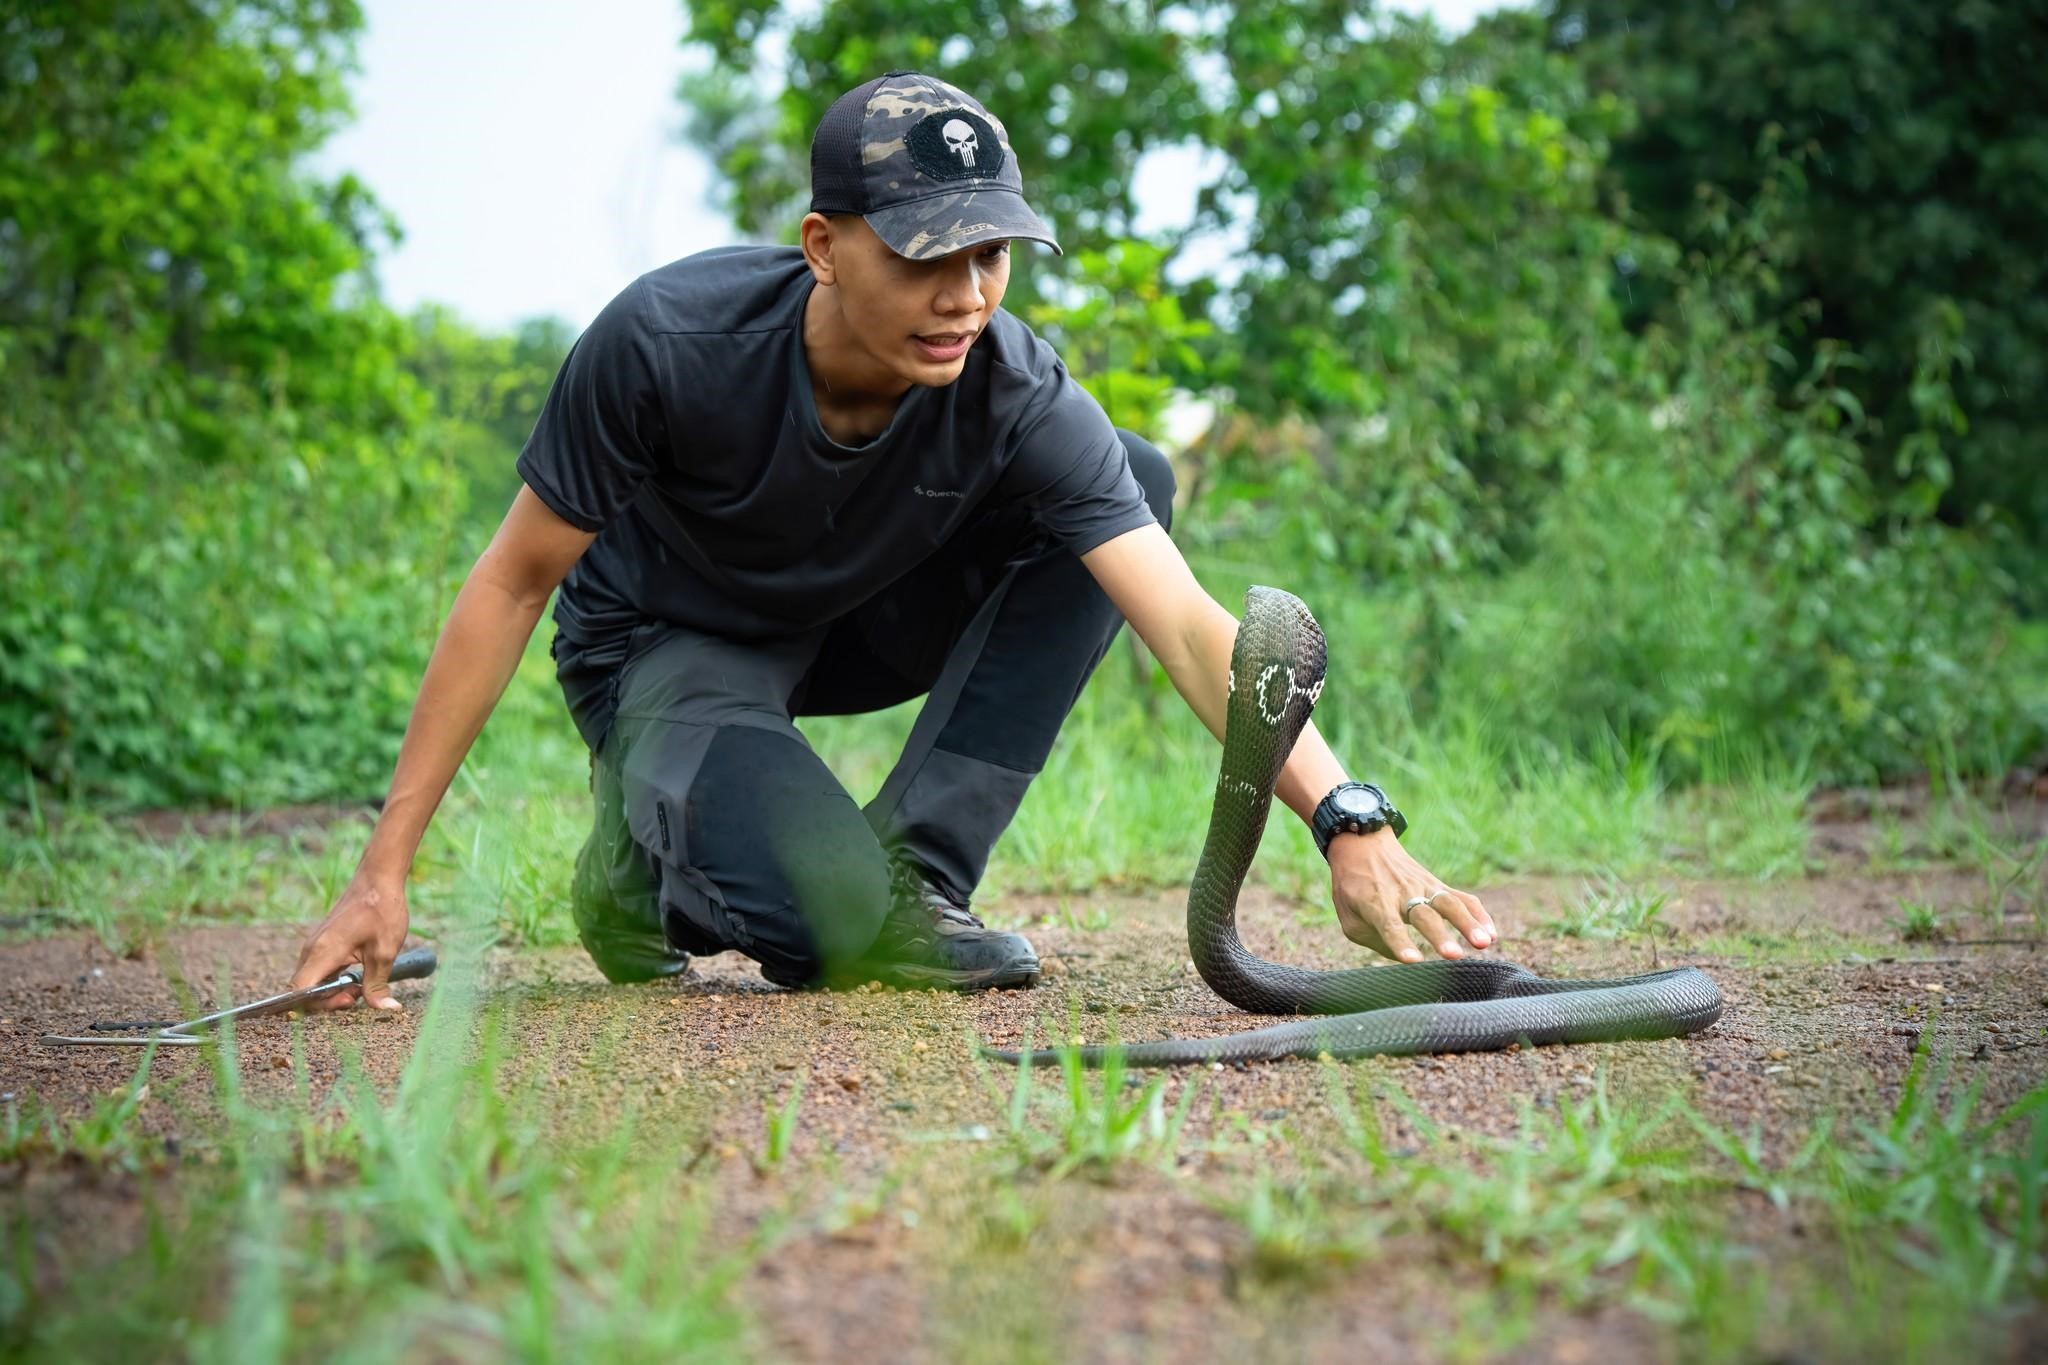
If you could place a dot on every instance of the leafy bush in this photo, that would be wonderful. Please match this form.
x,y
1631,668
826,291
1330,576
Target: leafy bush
x,y
182,630
1721,565
224,549
235,488
1926,195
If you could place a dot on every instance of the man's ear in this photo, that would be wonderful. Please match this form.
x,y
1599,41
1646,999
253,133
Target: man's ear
x,y
816,232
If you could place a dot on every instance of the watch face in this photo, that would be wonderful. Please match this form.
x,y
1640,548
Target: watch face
x,y
1352,801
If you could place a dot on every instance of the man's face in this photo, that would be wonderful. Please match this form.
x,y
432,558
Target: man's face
x,y
918,318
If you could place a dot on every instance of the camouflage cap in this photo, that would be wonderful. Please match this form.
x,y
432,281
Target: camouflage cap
x,y
930,169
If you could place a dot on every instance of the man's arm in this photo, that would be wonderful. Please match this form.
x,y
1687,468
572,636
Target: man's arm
x,y
1191,634
474,658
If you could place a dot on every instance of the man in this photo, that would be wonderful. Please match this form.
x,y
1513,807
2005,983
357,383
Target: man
x,y
780,481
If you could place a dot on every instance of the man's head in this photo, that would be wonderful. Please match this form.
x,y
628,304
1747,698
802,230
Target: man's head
x,y
915,198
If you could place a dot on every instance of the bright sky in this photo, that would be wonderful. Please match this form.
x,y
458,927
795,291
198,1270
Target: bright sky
x,y
530,151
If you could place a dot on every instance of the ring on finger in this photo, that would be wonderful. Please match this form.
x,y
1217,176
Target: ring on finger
x,y
1408,907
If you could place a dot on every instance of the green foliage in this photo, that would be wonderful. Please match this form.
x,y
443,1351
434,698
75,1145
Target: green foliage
x,y
233,505
498,847
1432,295
1953,1204
1610,910
1428,384
1568,470
1935,1217
487,390
1571,1195
779,1130
1968,1200
1918,922
456,1210
180,629
1928,165
1094,1129
1292,1235
2015,876
1494,802
148,162
1721,562
109,1135
1119,336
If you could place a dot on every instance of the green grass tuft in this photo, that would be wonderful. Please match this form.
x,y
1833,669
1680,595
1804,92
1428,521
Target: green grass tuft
x,y
1610,910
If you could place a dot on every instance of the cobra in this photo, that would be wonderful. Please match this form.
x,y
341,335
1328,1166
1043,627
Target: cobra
x,y
1466,1005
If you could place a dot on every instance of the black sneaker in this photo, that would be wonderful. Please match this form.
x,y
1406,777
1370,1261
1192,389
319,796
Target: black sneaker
x,y
928,940
626,955
624,947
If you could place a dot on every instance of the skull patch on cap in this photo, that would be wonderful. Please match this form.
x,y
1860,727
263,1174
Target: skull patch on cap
x,y
955,144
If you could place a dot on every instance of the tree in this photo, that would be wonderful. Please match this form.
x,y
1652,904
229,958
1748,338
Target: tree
x,y
223,543
153,211
1923,136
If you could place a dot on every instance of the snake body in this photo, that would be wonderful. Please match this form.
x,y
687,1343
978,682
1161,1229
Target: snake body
x,y
1277,666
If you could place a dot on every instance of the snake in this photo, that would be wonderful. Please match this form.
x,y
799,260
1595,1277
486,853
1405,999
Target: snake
x,y
1277,666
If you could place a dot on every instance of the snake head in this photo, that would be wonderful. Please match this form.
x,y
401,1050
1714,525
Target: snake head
x,y
1281,652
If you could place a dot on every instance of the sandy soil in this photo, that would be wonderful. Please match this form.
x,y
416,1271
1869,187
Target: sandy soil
x,y
1144,1268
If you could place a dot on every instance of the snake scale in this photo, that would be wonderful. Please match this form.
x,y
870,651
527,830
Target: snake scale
x,y
1465,1005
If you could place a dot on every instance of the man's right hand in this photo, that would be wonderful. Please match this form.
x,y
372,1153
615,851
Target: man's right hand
x,y
366,925
474,657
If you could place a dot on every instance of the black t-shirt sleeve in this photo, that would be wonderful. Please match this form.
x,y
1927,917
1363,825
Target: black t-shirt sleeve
x,y
1070,468
601,430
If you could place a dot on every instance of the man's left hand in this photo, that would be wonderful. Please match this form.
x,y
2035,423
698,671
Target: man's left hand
x,y
1372,877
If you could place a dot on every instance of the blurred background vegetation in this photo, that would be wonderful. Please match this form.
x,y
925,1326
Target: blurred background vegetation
x,y
1612,375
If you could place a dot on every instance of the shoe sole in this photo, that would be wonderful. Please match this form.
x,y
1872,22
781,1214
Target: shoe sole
x,y
635,971
1017,976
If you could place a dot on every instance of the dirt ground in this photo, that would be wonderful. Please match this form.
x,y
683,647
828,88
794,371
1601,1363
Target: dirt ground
x,y
1822,1013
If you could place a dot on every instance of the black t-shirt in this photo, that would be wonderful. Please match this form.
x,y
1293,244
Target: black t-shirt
x,y
682,429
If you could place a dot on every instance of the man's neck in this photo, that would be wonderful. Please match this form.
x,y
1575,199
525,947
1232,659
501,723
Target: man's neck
x,y
843,376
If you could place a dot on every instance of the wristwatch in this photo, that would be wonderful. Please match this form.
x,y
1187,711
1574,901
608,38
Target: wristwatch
x,y
1357,808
